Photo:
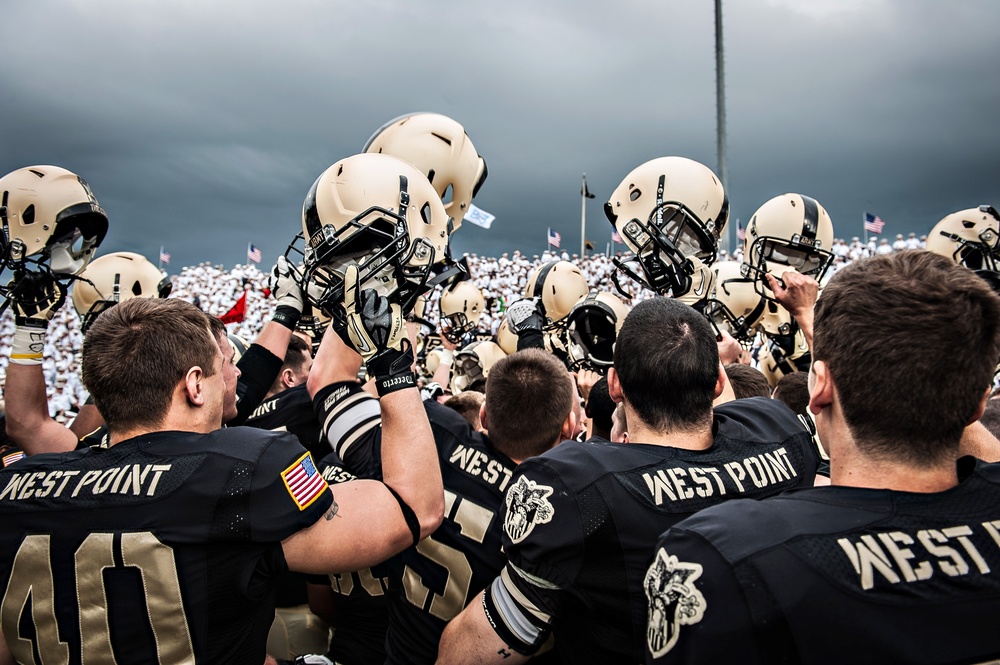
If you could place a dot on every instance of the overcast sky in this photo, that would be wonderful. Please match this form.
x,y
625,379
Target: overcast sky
x,y
201,125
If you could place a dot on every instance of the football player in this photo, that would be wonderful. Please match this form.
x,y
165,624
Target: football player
x,y
897,561
580,520
528,409
165,547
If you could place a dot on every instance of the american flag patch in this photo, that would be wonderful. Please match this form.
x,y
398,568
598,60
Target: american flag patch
x,y
304,482
11,458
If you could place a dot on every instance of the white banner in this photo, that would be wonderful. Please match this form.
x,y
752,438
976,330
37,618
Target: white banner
x,y
479,217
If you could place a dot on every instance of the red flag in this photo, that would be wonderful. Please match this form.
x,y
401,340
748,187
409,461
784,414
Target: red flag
x,y
238,312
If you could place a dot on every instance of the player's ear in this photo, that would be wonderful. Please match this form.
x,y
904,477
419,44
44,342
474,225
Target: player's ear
x,y
569,425
482,417
982,407
193,387
615,386
821,388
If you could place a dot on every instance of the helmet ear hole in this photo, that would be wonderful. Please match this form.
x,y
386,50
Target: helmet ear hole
x,y
137,288
634,195
28,217
425,213
449,193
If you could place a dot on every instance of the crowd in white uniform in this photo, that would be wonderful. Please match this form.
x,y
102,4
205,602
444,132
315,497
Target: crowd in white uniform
x,y
501,279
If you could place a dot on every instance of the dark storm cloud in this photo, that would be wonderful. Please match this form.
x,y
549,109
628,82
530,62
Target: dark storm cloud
x,y
201,125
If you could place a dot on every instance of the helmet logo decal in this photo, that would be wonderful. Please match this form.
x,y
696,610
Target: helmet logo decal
x,y
527,505
673,601
810,218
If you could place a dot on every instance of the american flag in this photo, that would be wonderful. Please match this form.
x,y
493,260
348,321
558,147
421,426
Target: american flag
x,y
253,253
741,232
616,238
304,482
554,238
164,257
873,223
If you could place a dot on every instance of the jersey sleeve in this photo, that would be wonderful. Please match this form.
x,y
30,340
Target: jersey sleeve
x,y
696,609
351,420
543,538
258,370
288,491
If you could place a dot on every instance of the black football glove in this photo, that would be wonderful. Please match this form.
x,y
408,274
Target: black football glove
x,y
376,328
36,297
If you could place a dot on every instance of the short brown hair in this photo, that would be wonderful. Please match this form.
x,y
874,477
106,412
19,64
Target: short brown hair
x,y
529,394
467,403
793,390
295,356
135,354
911,341
747,381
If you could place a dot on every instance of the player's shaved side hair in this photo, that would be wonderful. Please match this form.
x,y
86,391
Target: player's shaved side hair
x,y
135,354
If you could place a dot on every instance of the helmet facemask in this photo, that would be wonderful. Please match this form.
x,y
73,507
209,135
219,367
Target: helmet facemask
x,y
664,243
774,256
378,242
723,317
592,331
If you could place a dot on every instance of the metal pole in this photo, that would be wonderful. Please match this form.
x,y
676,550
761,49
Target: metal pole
x,y
720,105
583,217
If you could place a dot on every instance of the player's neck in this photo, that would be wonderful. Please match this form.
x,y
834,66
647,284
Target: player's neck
x,y
699,438
850,467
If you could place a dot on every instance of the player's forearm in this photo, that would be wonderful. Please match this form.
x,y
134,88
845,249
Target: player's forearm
x,y
274,337
468,638
27,409
334,362
409,459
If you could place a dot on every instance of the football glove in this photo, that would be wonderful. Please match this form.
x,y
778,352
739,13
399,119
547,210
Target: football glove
x,y
376,328
526,314
36,297
284,285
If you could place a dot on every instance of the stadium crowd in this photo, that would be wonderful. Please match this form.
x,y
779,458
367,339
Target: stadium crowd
x,y
215,290
391,455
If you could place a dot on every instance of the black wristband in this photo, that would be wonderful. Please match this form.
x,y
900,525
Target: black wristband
x,y
390,384
28,322
287,316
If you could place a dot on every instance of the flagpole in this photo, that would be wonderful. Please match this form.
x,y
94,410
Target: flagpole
x,y
864,226
159,264
583,217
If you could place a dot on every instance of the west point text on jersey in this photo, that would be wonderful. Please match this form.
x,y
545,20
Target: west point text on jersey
x,y
134,479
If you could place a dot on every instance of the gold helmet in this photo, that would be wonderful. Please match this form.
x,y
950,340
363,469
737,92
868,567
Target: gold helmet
x,y
789,232
666,211
474,362
379,213
240,346
592,328
776,359
506,338
559,285
462,305
970,238
734,306
50,212
440,149
113,278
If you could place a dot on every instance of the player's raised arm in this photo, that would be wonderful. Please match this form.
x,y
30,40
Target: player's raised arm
x,y
371,521
36,297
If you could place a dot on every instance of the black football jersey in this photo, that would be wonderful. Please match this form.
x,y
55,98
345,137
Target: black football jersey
x,y
291,411
360,598
833,575
163,548
580,522
433,581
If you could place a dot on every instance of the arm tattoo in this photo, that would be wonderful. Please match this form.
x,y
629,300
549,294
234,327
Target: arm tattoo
x,y
503,652
332,512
